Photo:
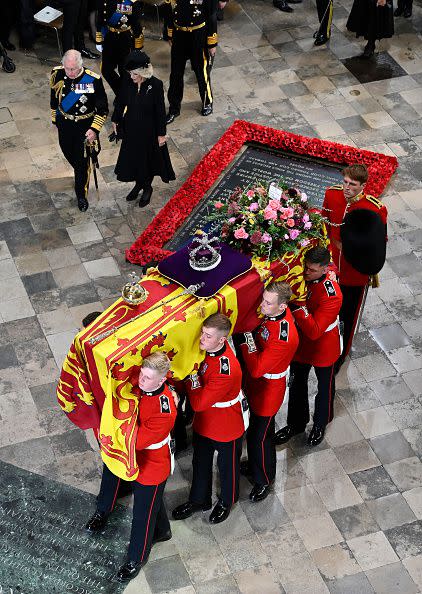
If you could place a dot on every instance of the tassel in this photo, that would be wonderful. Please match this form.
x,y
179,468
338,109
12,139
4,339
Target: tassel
x,y
200,310
374,281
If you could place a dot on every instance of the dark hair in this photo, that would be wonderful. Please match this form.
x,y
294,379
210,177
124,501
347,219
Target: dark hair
x,y
318,255
90,318
220,322
356,172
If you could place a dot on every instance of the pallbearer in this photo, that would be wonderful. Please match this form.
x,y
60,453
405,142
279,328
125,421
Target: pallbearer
x,y
156,417
319,347
218,424
267,354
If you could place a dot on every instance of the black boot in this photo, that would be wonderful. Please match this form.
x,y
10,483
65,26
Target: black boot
x,y
83,204
133,194
282,5
286,433
369,50
146,197
96,523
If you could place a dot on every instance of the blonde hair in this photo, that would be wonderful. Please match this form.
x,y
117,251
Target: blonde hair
x,y
158,361
220,322
146,72
282,290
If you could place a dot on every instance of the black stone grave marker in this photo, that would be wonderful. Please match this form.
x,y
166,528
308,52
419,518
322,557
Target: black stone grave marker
x,y
44,548
380,67
258,163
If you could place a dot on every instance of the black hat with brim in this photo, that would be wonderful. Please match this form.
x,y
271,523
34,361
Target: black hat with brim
x,y
137,59
363,238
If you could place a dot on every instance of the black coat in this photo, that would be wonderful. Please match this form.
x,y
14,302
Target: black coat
x,y
371,21
140,157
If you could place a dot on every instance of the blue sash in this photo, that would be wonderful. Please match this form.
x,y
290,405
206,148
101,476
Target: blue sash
x,y
70,99
115,18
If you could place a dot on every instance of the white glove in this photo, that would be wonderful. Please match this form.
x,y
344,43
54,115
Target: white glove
x,y
99,48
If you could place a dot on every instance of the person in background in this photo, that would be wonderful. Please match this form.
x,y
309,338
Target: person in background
x,y
139,118
371,19
404,8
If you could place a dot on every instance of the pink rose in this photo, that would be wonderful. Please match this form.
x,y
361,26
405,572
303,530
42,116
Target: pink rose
x,y
304,197
266,237
305,242
254,207
290,222
250,193
307,225
270,214
232,220
305,218
274,204
218,204
241,233
294,233
289,212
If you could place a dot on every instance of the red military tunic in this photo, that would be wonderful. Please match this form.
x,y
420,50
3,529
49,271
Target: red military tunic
x,y
219,379
156,418
317,346
276,340
335,208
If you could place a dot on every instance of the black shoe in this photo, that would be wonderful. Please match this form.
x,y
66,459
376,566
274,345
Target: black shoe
x,y
181,512
171,116
8,46
399,11
83,204
133,194
320,39
316,435
219,513
207,110
369,50
286,433
259,492
282,5
86,53
244,468
166,536
128,571
96,523
146,197
407,13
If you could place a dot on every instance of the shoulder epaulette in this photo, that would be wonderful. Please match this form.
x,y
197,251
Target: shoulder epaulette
x,y
336,187
374,200
58,67
92,73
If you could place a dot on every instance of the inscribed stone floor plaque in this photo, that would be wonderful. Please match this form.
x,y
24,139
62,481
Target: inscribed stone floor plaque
x,y
380,67
44,548
262,164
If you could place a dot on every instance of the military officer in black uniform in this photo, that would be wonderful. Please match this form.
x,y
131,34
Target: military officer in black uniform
x,y
119,31
78,109
192,32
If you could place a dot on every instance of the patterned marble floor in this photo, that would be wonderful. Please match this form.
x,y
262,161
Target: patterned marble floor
x,y
344,517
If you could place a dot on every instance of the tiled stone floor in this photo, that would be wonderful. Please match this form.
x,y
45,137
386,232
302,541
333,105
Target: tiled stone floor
x,y
344,517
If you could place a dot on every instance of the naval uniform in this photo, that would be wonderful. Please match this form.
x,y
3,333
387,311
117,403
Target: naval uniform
x,y
76,106
216,398
119,31
352,282
266,355
156,417
319,347
192,28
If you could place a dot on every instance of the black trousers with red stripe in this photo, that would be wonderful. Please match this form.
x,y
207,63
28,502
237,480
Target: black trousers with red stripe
x,y
149,519
228,462
261,449
349,314
189,45
298,409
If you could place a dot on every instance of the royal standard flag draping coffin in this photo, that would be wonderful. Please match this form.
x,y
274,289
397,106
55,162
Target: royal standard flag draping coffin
x,y
98,384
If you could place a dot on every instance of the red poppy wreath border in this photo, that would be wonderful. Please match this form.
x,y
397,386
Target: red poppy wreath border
x,y
149,245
